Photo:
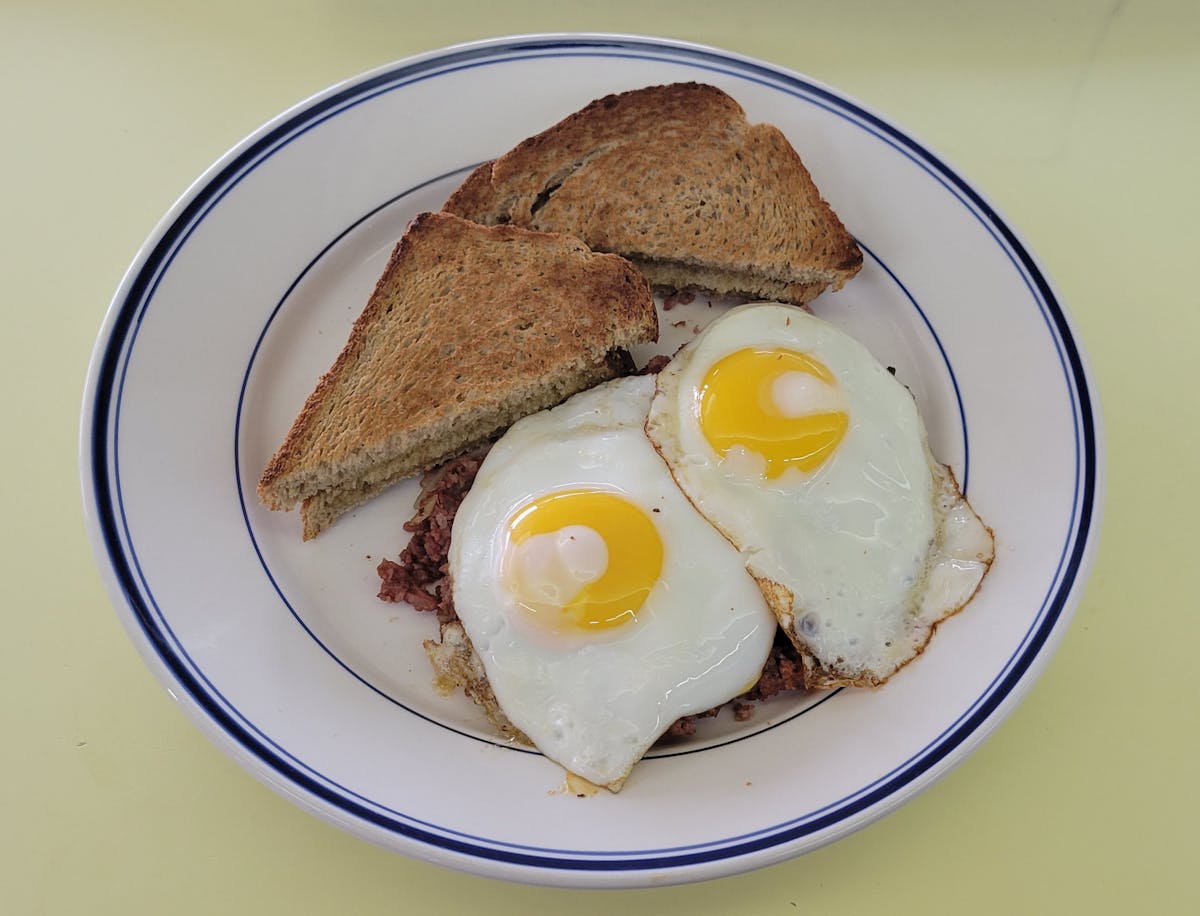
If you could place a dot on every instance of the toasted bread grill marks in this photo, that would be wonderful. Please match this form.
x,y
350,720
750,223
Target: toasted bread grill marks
x,y
676,179
468,329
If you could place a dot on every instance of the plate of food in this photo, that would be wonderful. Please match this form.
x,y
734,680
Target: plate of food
x,y
591,460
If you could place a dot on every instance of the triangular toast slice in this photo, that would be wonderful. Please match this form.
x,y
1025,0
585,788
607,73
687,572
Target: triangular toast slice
x,y
469,329
675,179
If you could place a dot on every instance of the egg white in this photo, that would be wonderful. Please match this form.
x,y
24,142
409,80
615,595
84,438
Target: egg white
x,y
859,558
595,703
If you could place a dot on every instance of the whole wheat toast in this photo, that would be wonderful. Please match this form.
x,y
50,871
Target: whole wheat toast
x,y
469,329
677,180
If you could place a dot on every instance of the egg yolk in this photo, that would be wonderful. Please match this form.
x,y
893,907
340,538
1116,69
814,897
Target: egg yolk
x,y
582,559
780,404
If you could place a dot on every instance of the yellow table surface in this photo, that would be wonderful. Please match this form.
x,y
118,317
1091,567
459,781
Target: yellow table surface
x,y
1080,120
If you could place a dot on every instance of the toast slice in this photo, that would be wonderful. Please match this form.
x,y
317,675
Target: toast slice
x,y
675,179
469,329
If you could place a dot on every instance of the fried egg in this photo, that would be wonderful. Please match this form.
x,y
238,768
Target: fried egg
x,y
602,606
812,459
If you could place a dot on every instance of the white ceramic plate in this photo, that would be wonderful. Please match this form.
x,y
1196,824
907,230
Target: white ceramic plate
x,y
280,650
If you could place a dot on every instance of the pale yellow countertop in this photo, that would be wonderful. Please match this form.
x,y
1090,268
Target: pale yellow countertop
x,y
1079,120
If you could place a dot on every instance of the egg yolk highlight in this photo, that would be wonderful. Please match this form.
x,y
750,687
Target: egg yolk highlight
x,y
781,404
582,559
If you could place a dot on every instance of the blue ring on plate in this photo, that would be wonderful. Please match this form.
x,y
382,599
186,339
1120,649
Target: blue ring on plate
x,y
112,524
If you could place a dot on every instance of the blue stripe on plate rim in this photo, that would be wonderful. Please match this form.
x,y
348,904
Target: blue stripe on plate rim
x,y
111,361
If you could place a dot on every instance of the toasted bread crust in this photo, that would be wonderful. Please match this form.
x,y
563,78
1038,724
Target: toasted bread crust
x,y
474,195
468,328
674,178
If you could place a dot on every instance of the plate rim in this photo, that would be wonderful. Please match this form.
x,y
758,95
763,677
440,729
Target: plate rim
x,y
638,869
